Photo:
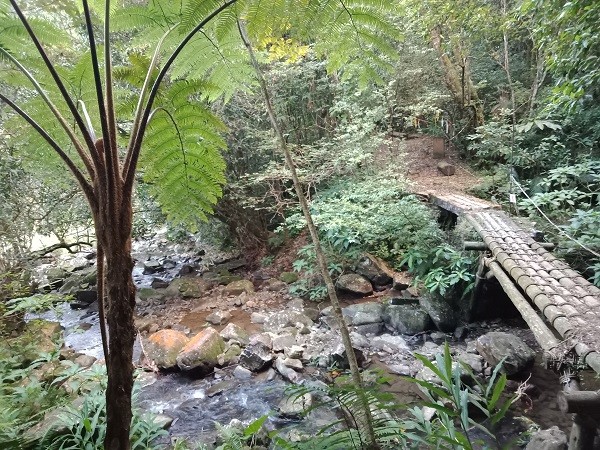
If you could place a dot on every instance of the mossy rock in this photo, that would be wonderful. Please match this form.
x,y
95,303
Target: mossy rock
x,y
288,277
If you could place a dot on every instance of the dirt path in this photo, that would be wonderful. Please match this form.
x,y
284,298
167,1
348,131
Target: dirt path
x,y
422,171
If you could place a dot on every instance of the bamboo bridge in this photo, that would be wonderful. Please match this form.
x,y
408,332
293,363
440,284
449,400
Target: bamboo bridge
x,y
561,307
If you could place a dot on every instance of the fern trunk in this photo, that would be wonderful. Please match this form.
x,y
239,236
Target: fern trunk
x,y
115,239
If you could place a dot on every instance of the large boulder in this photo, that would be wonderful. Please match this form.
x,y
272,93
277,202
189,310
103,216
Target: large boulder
x,y
550,439
256,357
406,319
363,313
202,351
375,270
164,346
444,314
188,287
496,346
235,333
354,284
238,287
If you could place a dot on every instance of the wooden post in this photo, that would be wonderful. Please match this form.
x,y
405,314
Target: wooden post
x,y
583,430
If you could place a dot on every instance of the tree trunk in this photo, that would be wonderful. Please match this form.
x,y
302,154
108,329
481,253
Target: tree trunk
x,y
116,241
460,84
364,423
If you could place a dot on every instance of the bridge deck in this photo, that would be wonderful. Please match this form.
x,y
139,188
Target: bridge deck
x,y
569,302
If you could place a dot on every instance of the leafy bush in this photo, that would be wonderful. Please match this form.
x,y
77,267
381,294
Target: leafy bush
x,y
371,214
441,269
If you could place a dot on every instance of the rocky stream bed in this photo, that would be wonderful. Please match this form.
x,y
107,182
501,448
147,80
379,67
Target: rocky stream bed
x,y
221,343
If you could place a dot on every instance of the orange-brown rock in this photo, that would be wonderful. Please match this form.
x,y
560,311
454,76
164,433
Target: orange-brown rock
x,y
202,351
163,347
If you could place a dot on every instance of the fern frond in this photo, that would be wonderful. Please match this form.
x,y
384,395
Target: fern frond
x,y
181,156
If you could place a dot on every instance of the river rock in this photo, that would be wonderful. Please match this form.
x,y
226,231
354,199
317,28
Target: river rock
x,y
202,351
258,317
369,329
281,342
219,317
444,315
389,343
235,333
84,361
401,281
256,357
159,283
230,355
241,373
287,372
189,287
164,346
363,313
550,439
475,362
294,406
237,287
375,270
354,284
275,285
295,352
406,319
152,266
495,346
285,319
79,281
337,358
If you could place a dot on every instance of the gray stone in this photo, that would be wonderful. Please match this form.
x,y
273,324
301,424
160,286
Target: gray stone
x,y
375,270
446,168
337,358
438,337
294,406
218,317
406,319
256,357
354,284
293,363
84,361
235,333
295,351
444,315
359,340
396,343
401,281
237,287
188,287
287,372
550,439
475,362
285,319
257,318
363,313
280,343
400,369
495,346
159,283
370,329
152,266
264,338
241,373
275,286
162,421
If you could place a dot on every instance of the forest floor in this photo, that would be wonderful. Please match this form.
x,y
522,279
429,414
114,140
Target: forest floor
x,y
422,170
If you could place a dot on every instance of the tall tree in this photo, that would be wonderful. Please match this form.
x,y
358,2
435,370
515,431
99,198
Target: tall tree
x,y
80,106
